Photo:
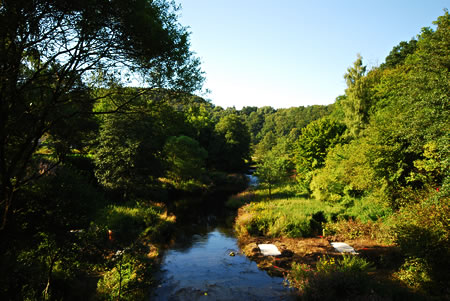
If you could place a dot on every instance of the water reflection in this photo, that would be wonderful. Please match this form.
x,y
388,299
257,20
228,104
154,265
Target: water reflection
x,y
204,270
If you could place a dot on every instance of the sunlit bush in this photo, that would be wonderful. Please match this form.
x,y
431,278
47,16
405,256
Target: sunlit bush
x,y
423,233
124,280
333,279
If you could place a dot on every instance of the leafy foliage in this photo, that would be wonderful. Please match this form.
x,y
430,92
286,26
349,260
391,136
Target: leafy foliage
x,y
343,278
312,146
422,232
231,147
53,53
185,157
272,169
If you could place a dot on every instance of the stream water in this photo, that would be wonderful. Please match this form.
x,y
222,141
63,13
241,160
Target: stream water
x,y
199,267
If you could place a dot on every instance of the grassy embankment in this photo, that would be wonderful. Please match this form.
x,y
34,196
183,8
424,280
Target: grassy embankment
x,y
303,228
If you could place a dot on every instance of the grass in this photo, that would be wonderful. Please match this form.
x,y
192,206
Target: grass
x,y
256,194
290,214
295,217
128,223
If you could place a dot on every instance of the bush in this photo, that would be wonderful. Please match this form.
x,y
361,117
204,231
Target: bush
x,y
345,278
128,223
423,233
125,281
415,273
352,229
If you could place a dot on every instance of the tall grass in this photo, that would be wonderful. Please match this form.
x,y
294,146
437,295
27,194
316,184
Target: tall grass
x,y
344,278
287,190
285,217
130,222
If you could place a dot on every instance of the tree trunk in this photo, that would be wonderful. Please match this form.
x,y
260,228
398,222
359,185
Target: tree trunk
x,y
7,196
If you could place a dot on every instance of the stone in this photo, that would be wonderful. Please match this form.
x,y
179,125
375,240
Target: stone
x,y
269,250
342,247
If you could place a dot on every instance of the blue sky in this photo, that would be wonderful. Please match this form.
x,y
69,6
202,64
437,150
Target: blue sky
x,y
289,53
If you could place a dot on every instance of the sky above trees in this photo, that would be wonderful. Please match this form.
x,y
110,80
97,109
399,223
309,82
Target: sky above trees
x,y
295,52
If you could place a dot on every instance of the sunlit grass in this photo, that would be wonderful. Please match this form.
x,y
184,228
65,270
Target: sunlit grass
x,y
286,213
296,217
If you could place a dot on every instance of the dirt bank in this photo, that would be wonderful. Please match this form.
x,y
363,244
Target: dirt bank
x,y
309,250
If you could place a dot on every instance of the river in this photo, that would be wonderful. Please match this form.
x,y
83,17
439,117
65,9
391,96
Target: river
x,y
199,267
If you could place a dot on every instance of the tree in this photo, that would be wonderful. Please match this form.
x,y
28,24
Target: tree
x,y
361,97
231,146
272,169
185,158
399,53
314,142
356,72
128,157
265,145
313,145
53,52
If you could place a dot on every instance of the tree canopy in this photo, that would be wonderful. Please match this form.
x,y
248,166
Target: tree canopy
x,y
53,53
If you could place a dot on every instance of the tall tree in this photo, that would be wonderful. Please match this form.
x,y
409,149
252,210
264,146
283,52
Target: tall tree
x,y
50,52
360,96
356,72
399,53
231,147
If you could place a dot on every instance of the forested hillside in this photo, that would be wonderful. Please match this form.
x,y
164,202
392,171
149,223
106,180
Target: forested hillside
x,y
376,167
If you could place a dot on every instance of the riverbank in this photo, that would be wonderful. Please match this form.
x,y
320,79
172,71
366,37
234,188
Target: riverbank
x,y
302,229
204,261
134,236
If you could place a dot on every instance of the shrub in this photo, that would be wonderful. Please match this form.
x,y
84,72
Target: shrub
x,y
415,273
352,229
345,278
422,231
124,281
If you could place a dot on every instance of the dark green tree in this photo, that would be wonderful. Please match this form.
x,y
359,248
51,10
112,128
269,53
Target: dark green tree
x,y
314,142
185,158
230,149
399,53
52,51
313,145
128,157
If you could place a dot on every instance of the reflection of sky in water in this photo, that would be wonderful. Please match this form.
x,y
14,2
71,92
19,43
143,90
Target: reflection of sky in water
x,y
206,267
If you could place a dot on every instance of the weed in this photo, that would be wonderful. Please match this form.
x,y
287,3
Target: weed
x,y
343,278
